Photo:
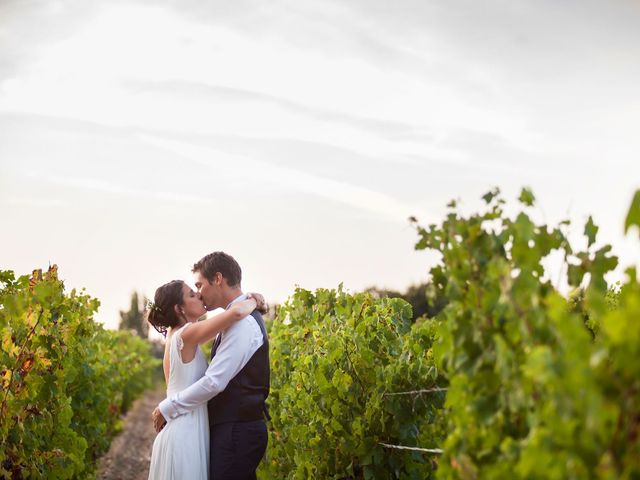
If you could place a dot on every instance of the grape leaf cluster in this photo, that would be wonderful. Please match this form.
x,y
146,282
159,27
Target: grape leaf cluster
x,y
65,380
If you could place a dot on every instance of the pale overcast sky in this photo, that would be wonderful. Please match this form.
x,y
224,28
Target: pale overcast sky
x,y
299,135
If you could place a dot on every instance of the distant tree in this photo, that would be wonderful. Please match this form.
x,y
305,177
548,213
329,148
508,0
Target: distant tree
x,y
134,318
421,303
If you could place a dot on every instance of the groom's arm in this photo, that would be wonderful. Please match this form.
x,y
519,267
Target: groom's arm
x,y
239,343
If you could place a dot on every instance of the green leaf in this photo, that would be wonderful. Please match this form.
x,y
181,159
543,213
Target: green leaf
x,y
633,216
591,230
526,197
489,196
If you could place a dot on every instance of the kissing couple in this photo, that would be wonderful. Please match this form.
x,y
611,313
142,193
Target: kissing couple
x,y
212,423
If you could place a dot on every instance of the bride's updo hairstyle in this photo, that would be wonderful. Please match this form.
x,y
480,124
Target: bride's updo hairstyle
x,y
161,313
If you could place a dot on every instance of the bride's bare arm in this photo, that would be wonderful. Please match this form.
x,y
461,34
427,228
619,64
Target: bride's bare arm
x,y
205,330
165,361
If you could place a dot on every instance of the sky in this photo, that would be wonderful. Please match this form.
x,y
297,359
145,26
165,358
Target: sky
x,y
299,136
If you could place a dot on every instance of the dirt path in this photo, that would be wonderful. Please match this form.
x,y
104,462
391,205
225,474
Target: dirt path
x,y
130,452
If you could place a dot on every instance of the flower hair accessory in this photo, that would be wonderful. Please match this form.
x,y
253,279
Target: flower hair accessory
x,y
152,307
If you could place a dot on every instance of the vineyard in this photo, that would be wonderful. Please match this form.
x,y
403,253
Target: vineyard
x,y
65,379
509,379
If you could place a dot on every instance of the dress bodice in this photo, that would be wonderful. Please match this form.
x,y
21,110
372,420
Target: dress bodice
x,y
181,449
182,374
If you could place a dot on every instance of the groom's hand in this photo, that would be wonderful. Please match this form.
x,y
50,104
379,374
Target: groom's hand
x,y
158,420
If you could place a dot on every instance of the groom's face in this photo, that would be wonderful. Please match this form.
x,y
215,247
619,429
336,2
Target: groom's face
x,y
209,291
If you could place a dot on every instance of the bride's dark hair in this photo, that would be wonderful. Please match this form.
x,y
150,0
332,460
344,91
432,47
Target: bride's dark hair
x,y
161,314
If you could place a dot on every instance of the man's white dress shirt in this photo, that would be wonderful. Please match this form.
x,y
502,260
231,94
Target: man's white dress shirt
x,y
238,344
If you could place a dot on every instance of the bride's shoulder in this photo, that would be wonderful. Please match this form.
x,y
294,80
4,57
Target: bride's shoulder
x,y
176,334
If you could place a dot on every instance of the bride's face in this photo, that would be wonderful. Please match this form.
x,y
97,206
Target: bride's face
x,y
192,306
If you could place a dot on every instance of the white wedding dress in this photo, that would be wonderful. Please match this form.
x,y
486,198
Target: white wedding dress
x,y
181,449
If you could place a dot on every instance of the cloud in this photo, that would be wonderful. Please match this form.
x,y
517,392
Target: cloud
x,y
97,185
25,27
364,102
199,90
359,197
37,202
388,138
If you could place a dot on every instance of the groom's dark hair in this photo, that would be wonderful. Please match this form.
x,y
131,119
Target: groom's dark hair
x,y
221,262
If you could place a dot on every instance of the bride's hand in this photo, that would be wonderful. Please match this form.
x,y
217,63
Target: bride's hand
x,y
262,306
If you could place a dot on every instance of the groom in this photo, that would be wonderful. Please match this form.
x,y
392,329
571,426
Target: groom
x,y
236,383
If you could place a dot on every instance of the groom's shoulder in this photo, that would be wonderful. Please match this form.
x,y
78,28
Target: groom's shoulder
x,y
248,324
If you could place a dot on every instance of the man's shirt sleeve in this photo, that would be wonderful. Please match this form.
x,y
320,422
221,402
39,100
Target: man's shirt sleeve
x,y
238,344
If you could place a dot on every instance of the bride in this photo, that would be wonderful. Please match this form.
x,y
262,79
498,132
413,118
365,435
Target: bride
x,y
181,449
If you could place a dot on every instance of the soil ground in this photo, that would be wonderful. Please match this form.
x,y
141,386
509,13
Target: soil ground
x,y
130,452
